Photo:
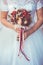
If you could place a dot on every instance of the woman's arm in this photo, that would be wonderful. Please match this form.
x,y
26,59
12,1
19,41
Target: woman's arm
x,y
37,24
3,19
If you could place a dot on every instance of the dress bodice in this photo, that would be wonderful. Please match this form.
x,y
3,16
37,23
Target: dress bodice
x,y
18,4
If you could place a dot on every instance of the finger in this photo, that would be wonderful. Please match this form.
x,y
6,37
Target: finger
x,y
17,30
25,35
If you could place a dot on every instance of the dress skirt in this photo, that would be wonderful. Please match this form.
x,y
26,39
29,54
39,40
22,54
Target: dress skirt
x,y
8,46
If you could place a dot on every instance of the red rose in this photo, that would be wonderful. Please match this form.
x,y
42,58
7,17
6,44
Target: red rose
x,y
13,13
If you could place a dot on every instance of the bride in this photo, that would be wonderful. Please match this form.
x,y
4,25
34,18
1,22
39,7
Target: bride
x,y
9,46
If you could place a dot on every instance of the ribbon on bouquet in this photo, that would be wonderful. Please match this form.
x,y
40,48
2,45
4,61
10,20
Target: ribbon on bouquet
x,y
21,39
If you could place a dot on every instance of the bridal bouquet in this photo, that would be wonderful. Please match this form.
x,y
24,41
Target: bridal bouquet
x,y
22,18
22,14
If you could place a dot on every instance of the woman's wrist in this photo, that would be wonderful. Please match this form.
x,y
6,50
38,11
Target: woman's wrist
x,y
28,32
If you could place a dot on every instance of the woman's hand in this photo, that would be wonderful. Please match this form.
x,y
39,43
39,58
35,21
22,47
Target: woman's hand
x,y
25,35
17,28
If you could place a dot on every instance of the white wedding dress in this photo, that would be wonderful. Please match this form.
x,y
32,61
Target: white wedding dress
x,y
9,46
